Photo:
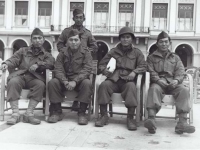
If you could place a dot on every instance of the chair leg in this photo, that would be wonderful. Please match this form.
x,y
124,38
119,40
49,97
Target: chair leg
x,y
43,101
89,111
111,110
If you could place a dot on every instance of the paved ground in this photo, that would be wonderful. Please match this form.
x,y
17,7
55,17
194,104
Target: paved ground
x,y
67,135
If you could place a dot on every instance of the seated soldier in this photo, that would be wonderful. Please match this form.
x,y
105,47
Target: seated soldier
x,y
167,73
72,70
31,63
129,62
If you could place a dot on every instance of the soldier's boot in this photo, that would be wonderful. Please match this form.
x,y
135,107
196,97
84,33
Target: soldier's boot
x,y
15,118
82,116
56,114
103,119
182,125
131,125
75,106
28,116
150,123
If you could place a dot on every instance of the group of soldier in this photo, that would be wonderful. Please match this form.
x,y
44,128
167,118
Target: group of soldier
x,y
73,66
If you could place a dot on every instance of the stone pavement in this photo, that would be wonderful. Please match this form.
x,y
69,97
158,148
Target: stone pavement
x,y
67,135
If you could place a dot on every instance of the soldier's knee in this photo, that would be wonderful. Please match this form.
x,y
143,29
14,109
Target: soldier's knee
x,y
86,82
104,85
130,85
13,82
155,87
53,82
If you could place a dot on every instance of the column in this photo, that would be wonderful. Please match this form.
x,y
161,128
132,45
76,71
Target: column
x,y
64,14
147,13
33,6
55,14
138,14
113,14
197,17
172,17
8,52
8,14
89,14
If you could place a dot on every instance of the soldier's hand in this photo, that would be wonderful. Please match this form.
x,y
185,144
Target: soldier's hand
x,y
162,83
65,83
173,84
71,85
131,76
33,67
4,67
106,72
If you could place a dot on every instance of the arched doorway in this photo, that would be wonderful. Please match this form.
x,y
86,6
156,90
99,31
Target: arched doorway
x,y
152,49
47,46
185,53
1,50
18,44
102,50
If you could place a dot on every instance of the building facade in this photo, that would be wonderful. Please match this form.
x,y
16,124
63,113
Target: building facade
x,y
104,18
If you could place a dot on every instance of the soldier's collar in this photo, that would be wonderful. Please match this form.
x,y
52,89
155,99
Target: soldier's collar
x,y
157,53
30,50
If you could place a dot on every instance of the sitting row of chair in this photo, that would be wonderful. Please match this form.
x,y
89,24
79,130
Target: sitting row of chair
x,y
142,86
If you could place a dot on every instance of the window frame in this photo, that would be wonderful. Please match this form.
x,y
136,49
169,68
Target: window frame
x,y
4,20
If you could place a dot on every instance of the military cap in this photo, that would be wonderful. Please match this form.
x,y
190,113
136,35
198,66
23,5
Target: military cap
x,y
37,31
77,11
163,35
73,32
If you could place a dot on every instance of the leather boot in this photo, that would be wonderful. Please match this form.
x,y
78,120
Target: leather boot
x,y
75,106
15,118
82,116
28,117
55,113
103,119
182,125
150,122
130,122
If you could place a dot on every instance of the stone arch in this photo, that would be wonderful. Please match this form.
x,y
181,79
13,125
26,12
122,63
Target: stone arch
x,y
152,48
186,52
47,46
17,44
103,49
2,49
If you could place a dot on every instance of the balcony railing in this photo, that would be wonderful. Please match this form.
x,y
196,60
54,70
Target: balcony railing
x,y
107,29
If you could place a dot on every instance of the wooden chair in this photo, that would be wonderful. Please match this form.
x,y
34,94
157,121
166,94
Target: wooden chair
x,y
169,99
71,95
116,98
3,101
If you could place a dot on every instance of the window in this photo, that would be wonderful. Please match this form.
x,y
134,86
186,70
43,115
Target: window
x,y
101,17
75,5
126,14
2,11
185,17
21,13
159,16
44,14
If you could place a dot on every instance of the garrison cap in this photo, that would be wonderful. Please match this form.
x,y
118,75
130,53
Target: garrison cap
x,y
73,32
37,31
77,11
163,35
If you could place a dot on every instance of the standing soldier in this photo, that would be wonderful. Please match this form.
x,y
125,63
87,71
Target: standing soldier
x,y
31,63
129,62
167,73
72,70
87,40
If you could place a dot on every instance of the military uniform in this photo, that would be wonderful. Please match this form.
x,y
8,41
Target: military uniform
x,y
21,77
167,68
87,40
72,67
126,62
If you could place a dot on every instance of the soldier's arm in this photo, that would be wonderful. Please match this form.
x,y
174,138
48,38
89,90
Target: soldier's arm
x,y
92,44
104,62
179,71
15,60
47,63
62,41
59,68
153,74
86,70
141,64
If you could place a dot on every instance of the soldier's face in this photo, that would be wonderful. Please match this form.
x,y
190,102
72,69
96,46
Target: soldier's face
x,y
74,42
163,44
126,39
37,40
79,19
